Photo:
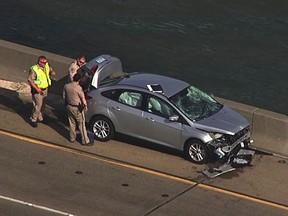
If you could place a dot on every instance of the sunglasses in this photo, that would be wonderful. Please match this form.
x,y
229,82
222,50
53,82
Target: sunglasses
x,y
81,62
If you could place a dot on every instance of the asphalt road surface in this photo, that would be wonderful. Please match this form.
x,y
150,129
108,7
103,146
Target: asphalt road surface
x,y
83,182
123,176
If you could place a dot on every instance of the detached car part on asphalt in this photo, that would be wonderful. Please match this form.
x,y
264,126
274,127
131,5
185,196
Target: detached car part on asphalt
x,y
160,109
241,159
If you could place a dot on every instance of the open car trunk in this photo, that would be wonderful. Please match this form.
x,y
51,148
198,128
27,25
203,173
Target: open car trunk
x,y
99,69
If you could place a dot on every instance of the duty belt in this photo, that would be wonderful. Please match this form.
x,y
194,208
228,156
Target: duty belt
x,y
73,105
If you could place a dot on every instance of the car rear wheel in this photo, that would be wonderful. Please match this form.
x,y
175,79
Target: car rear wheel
x,y
196,151
103,128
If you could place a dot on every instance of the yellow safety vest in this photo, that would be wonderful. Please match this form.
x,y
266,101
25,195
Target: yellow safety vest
x,y
42,76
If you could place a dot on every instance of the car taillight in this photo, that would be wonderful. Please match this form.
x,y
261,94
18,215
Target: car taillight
x,y
94,69
87,97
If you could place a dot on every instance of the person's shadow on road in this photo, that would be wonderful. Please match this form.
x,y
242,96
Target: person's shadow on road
x,y
11,101
21,104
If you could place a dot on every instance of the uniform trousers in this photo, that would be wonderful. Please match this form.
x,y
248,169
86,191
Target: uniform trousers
x,y
38,101
77,118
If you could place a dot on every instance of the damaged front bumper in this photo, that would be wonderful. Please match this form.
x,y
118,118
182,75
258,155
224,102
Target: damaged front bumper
x,y
225,151
242,158
233,151
225,146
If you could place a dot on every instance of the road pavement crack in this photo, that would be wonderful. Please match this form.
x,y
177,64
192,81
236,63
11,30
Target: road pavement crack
x,y
173,198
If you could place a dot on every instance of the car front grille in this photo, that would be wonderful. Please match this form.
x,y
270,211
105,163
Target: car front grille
x,y
232,139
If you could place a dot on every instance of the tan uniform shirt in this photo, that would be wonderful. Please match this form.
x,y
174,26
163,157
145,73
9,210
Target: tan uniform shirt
x,y
73,94
32,75
72,70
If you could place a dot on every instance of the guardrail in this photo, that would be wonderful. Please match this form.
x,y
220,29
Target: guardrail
x,y
269,129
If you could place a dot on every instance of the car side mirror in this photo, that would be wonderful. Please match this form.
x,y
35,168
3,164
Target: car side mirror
x,y
174,118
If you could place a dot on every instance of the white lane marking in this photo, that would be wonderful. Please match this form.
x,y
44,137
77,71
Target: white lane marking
x,y
36,206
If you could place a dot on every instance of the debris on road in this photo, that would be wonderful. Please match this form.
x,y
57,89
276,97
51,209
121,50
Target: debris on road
x,y
241,159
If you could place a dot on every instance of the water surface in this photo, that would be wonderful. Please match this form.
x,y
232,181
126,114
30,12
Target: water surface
x,y
236,50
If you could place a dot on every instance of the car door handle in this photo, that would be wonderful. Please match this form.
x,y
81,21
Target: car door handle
x,y
116,108
150,119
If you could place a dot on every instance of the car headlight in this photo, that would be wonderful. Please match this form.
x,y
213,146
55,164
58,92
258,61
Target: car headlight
x,y
216,136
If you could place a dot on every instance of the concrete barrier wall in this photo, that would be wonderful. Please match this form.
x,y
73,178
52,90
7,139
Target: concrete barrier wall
x,y
269,129
16,60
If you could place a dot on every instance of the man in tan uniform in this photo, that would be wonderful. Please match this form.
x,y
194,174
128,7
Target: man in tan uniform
x,y
39,80
75,65
73,95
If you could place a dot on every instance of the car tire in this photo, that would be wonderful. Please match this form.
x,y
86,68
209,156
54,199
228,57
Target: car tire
x,y
102,128
196,151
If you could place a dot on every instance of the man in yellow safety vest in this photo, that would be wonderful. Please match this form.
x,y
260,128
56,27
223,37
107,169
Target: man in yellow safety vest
x,y
39,80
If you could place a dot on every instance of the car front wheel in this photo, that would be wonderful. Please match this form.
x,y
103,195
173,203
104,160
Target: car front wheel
x,y
196,151
103,128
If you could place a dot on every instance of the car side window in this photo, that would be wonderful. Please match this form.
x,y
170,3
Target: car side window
x,y
130,98
111,94
159,107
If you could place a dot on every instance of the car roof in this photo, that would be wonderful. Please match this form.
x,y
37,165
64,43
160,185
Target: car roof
x,y
169,85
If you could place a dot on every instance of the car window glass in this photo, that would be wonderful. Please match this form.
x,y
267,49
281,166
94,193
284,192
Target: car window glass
x,y
112,94
159,107
130,98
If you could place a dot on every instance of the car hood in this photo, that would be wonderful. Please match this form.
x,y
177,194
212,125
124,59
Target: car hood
x,y
225,121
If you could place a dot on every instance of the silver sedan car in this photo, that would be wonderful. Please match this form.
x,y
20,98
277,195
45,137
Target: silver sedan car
x,y
160,109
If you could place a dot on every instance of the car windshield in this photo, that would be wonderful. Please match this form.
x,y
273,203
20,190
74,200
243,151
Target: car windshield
x,y
195,104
